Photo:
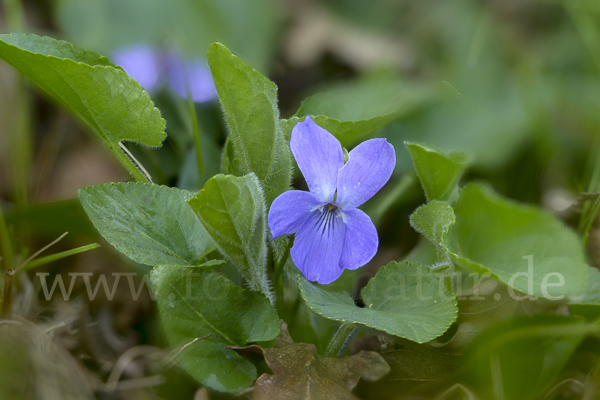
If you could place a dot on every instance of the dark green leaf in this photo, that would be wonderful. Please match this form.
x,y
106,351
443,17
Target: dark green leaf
x,y
406,300
111,103
150,224
195,303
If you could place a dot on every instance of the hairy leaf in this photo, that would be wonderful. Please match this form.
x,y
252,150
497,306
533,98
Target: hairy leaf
x,y
150,224
232,211
249,101
433,220
194,303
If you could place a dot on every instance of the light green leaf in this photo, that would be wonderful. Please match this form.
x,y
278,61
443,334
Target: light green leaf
x,y
403,299
233,213
588,304
433,220
249,101
519,359
195,303
150,224
111,103
520,245
351,111
438,171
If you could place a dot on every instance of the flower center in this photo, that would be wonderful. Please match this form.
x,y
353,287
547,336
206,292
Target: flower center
x,y
332,207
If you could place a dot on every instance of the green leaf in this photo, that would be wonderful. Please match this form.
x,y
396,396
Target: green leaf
x,y
150,224
519,359
522,246
588,304
403,299
249,101
195,303
438,171
351,111
233,213
101,94
433,220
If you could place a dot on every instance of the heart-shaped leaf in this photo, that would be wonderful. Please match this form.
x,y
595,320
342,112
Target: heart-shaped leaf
x,y
403,299
249,101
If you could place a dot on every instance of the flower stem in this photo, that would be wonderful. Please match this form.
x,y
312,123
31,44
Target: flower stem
x,y
339,339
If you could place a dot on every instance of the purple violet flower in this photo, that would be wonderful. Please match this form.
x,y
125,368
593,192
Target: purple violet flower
x,y
197,73
151,67
331,233
141,62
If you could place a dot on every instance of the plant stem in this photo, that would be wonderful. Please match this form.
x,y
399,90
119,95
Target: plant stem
x,y
6,248
7,300
339,339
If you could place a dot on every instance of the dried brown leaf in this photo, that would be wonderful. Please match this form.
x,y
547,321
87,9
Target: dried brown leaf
x,y
299,373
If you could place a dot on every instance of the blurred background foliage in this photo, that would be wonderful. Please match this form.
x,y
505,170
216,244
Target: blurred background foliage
x,y
514,82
